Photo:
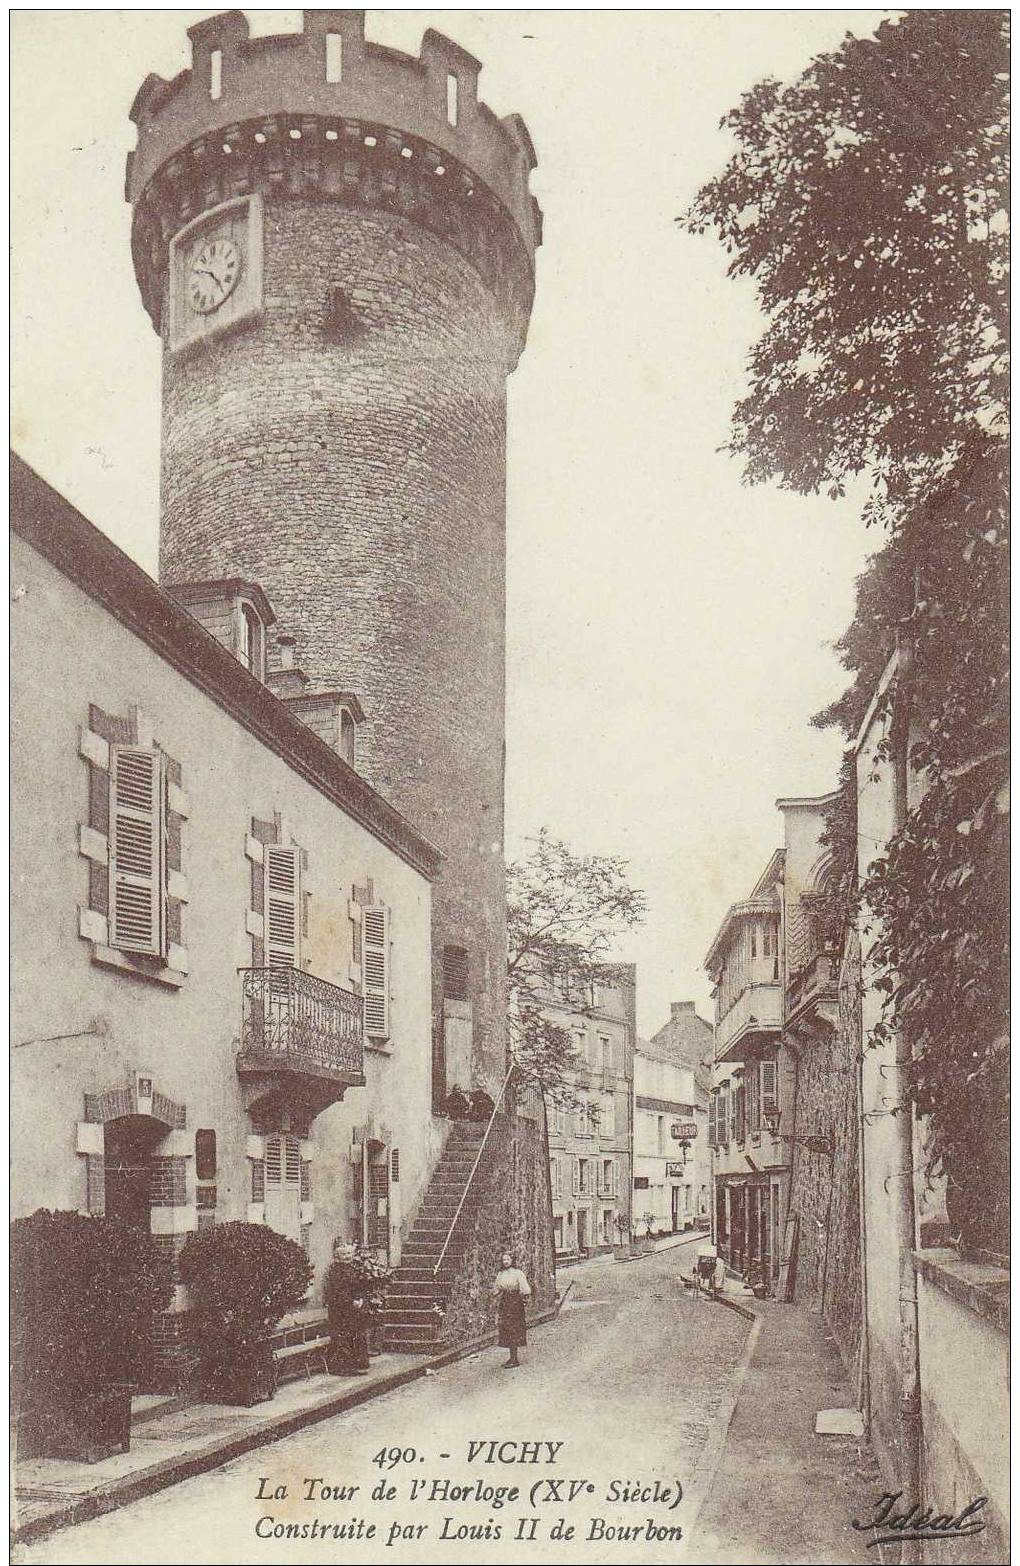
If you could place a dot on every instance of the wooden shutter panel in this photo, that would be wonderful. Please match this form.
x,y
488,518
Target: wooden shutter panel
x,y
769,1086
283,1185
137,853
375,969
283,906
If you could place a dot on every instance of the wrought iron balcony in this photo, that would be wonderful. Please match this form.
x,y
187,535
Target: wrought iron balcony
x,y
300,1031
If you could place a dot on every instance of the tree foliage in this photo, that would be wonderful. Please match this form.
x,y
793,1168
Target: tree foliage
x,y
868,202
565,914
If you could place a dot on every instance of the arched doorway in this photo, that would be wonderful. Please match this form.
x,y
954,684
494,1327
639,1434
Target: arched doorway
x,y
130,1194
130,1142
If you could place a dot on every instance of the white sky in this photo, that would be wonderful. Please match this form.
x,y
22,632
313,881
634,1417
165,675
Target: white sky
x,y
668,629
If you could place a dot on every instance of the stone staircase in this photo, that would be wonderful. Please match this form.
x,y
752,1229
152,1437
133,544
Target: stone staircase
x,y
417,1294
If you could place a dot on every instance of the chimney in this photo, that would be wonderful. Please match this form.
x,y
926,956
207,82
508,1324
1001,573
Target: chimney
x,y
676,1008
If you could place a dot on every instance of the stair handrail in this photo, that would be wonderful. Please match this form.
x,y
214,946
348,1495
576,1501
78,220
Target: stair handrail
x,y
474,1167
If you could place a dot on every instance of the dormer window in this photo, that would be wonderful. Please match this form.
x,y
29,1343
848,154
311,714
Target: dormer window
x,y
237,613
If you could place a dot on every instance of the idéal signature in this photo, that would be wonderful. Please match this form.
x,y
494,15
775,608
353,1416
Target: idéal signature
x,y
914,1523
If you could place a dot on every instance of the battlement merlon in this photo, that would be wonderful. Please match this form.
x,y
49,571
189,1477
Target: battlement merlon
x,y
433,98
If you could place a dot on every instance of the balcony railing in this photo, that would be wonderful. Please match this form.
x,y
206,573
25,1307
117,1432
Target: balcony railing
x,y
293,1021
757,1012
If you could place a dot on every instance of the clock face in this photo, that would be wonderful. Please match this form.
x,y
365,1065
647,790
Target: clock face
x,y
213,275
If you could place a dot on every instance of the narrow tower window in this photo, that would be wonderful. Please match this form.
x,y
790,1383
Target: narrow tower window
x,y
216,73
334,57
451,99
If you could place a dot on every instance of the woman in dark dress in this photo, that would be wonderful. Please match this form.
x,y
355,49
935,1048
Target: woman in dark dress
x,y
349,1311
510,1289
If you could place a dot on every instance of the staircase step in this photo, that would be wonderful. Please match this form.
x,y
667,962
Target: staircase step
x,y
404,1334
432,1240
411,1318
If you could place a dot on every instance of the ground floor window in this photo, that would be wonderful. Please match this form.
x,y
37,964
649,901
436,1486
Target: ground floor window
x,y
607,1225
558,1233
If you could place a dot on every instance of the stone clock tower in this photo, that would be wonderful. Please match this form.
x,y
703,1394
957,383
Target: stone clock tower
x,y
336,244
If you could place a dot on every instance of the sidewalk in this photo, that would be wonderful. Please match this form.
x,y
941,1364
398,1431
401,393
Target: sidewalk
x,y
775,1491
667,1243
50,1493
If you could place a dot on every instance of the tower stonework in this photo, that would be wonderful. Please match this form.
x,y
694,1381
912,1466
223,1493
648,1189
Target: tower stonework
x,y
336,244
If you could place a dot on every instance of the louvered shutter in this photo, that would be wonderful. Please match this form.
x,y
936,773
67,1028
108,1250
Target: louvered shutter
x,y
283,906
283,1185
375,969
769,1087
137,853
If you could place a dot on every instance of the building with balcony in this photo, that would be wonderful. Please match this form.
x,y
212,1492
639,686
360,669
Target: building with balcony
x,y
591,1136
672,1159
753,1079
222,975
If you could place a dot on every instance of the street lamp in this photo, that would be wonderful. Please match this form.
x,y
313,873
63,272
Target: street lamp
x,y
814,1144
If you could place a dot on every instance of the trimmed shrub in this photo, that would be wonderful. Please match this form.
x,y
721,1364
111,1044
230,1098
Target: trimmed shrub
x,y
241,1279
84,1294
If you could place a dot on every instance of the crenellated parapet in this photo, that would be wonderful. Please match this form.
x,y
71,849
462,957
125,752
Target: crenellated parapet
x,y
325,112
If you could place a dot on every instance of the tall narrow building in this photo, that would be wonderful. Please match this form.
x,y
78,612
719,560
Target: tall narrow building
x,y
335,242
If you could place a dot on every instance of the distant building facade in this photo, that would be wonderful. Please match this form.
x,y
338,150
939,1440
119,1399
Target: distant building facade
x,y
672,1158
591,1143
753,1079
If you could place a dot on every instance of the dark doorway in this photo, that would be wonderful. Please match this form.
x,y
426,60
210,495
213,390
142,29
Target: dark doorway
x,y
738,1227
129,1145
676,1209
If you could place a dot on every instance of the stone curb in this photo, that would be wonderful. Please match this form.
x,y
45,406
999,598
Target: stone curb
x,y
160,1476
674,1245
708,1463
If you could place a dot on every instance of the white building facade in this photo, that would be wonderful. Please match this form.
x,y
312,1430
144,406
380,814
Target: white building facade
x,y
672,1172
